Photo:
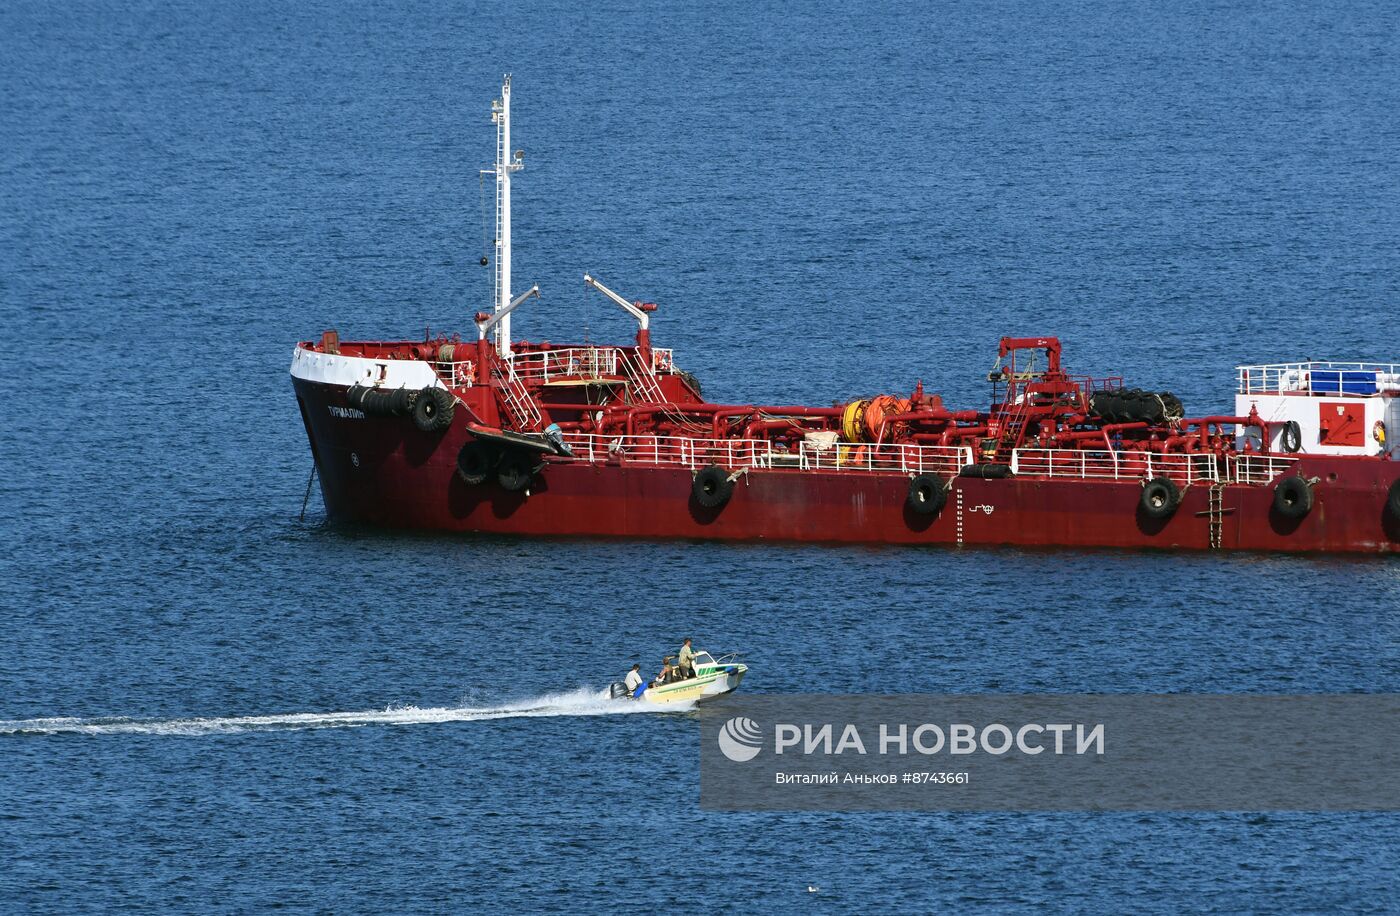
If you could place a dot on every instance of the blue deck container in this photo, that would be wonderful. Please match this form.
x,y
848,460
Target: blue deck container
x,y
1343,381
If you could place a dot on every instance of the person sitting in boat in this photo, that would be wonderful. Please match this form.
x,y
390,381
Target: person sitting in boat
x,y
668,673
634,681
685,660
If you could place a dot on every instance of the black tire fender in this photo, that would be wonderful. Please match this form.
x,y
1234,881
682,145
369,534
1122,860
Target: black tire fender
x,y
1292,437
986,471
374,402
712,487
380,403
515,470
1392,501
1293,497
926,494
432,410
475,462
1160,498
403,400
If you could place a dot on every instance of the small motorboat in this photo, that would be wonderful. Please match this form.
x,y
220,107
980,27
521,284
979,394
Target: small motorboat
x,y
714,677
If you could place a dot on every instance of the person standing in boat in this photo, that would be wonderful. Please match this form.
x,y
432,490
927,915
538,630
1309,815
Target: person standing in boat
x,y
685,659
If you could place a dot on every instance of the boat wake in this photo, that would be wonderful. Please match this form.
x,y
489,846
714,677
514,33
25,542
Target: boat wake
x,y
582,702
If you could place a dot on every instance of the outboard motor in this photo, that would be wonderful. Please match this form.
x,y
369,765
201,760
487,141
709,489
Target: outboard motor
x,y
555,435
618,691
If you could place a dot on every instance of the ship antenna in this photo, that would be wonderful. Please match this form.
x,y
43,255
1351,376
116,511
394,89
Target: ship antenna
x,y
506,163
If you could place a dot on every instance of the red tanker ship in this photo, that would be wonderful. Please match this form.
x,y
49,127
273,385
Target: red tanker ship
x,y
495,435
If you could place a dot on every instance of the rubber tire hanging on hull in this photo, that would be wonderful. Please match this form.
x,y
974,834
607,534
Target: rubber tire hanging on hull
x,y
926,494
475,462
1293,497
712,487
986,471
403,400
432,410
379,402
1160,497
514,471
1393,501
1292,437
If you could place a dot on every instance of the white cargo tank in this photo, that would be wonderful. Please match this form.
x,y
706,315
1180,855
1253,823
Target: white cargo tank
x,y
1339,408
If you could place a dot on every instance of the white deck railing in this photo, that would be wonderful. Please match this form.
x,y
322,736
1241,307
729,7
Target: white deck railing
x,y
579,362
570,362
1258,469
676,451
734,454
1105,465
1321,378
1184,469
458,374
945,461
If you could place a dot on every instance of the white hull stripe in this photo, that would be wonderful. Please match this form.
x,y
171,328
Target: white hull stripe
x,y
334,369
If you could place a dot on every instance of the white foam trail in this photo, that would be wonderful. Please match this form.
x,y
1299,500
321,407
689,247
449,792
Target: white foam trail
x,y
583,702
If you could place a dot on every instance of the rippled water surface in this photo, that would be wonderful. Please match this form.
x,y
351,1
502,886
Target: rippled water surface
x,y
209,704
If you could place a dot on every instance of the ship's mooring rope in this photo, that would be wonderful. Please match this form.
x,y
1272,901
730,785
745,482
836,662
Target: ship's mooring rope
x,y
307,498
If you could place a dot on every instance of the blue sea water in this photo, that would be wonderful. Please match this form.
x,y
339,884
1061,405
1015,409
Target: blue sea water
x,y
209,704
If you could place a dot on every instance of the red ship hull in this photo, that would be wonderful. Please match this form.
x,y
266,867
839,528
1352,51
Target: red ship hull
x,y
384,471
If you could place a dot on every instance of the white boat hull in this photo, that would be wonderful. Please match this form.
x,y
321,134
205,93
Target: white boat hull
x,y
696,689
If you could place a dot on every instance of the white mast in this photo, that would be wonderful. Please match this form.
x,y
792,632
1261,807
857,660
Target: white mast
x,y
506,163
